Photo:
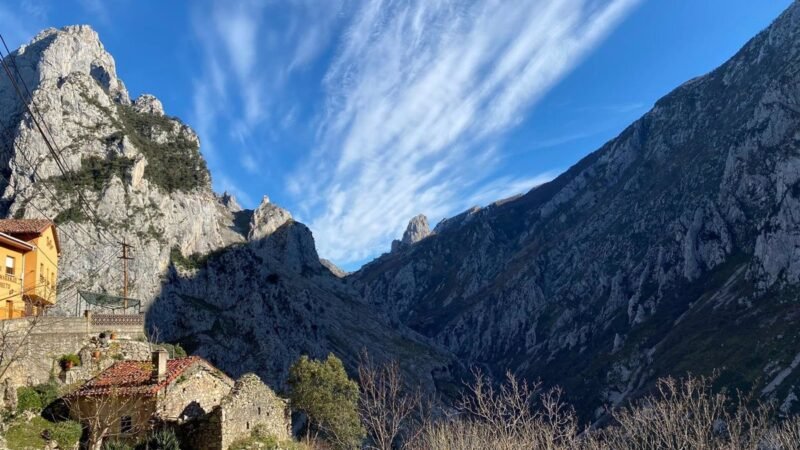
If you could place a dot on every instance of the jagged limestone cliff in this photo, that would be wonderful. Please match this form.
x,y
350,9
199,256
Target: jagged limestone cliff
x,y
244,288
672,248
140,171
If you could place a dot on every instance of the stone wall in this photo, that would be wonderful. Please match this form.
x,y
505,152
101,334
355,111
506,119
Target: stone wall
x,y
37,343
249,404
194,393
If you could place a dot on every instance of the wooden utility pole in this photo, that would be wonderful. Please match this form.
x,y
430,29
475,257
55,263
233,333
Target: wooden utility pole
x,y
125,257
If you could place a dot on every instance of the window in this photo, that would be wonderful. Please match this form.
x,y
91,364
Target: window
x,y
259,410
10,265
125,424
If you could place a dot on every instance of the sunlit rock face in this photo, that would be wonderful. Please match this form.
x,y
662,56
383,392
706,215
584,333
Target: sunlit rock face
x,y
244,288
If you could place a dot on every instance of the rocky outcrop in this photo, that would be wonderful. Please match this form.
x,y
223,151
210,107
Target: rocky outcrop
x,y
416,231
669,249
257,307
267,218
148,104
140,172
334,269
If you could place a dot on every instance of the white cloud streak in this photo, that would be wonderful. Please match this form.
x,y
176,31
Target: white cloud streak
x,y
418,97
245,65
20,23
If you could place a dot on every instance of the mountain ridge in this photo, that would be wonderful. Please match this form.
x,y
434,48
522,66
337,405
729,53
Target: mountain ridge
x,y
587,280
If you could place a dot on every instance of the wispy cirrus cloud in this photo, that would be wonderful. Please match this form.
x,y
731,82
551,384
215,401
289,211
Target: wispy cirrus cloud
x,y
401,106
20,22
249,50
417,98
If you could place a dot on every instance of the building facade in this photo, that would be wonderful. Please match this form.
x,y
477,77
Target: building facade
x,y
131,398
29,251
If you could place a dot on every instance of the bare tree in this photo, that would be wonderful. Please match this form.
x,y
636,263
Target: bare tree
x,y
387,407
102,416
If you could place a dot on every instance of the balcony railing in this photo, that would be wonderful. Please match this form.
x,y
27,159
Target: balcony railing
x,y
9,278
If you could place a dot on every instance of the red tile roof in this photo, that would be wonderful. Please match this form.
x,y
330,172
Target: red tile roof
x,y
27,229
24,226
131,378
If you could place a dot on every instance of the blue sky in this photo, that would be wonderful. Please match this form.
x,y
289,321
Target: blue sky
x,y
357,115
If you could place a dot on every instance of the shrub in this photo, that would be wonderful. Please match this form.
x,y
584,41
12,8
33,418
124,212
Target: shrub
x,y
73,214
163,439
28,400
174,350
116,445
680,415
195,260
66,433
261,439
323,391
48,392
94,174
70,358
175,165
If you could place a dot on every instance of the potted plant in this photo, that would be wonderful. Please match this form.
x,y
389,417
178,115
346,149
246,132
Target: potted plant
x,y
69,361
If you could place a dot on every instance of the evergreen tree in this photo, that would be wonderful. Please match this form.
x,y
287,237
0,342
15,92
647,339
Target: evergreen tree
x,y
329,398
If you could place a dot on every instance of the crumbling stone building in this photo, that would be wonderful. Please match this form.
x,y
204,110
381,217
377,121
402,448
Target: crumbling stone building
x,y
129,399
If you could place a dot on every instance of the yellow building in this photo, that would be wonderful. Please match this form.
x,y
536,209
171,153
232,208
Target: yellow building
x,y
29,251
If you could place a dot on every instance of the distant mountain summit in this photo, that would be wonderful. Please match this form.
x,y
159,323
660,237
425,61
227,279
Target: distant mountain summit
x,y
672,248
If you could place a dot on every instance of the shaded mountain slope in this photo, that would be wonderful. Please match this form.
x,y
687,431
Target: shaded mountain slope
x,y
671,248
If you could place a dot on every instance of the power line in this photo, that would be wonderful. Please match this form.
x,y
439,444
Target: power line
x,y
58,158
53,198
62,231
52,147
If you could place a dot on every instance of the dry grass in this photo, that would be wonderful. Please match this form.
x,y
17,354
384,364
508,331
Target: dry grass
x,y
681,415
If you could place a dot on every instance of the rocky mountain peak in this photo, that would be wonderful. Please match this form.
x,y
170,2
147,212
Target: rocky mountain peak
x,y
135,174
229,201
149,104
417,230
56,53
267,218
649,257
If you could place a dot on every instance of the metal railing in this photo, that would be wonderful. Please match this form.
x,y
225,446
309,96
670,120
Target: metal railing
x,y
9,278
117,319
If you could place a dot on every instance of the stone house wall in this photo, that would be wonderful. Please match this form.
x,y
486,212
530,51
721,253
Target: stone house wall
x,y
193,394
249,404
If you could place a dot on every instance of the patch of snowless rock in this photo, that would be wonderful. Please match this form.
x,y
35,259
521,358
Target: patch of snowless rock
x,y
417,230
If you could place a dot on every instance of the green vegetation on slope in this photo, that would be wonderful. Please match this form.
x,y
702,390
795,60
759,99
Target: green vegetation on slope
x,y
175,165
